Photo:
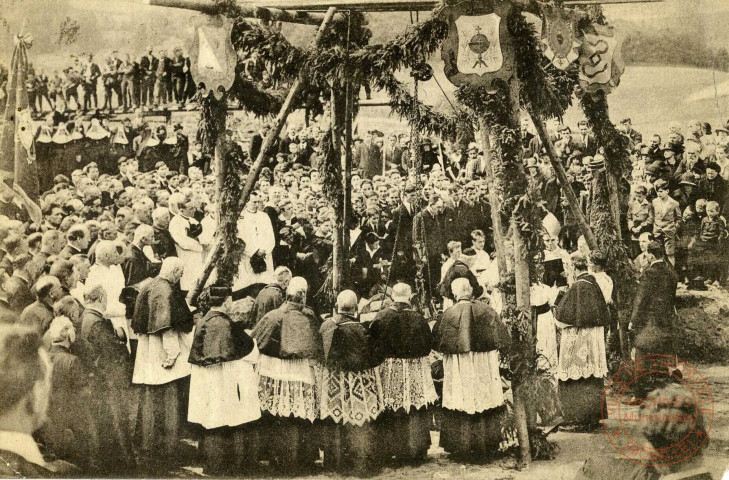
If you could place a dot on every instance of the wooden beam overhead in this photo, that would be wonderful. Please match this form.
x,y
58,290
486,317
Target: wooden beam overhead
x,y
389,5
308,11
248,9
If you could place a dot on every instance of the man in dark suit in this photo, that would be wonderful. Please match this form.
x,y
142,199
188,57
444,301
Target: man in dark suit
x,y
136,265
17,287
39,314
77,242
654,307
25,384
429,239
392,153
164,244
371,156
367,265
111,400
403,267
585,140
147,67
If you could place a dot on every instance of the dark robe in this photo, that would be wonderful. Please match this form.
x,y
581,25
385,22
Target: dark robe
x,y
470,327
111,395
583,305
161,305
459,270
69,432
291,331
164,245
268,299
654,310
348,448
219,339
38,315
137,267
398,331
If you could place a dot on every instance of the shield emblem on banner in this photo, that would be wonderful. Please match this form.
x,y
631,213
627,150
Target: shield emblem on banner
x,y
212,56
560,40
479,48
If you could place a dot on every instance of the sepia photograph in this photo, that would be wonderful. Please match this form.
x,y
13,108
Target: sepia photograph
x,y
381,239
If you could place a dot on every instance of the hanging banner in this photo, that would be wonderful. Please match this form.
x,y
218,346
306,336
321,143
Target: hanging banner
x,y
478,49
560,39
601,63
212,57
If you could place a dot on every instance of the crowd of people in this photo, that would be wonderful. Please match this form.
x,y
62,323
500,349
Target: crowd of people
x,y
260,369
150,80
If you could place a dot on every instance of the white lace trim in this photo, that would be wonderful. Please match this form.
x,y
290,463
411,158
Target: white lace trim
x,y
292,390
582,353
351,397
472,382
407,383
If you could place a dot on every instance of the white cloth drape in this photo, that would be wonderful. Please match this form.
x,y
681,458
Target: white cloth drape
x,y
256,231
153,350
581,353
541,294
225,394
188,249
472,382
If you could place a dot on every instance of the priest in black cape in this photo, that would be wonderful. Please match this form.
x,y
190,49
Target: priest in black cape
x,y
402,341
582,315
163,323
351,398
224,387
470,335
290,354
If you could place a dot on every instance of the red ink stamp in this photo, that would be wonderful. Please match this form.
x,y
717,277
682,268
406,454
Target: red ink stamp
x,y
663,426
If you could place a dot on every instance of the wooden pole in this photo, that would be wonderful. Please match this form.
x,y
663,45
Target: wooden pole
x,y
523,302
574,204
347,167
389,5
337,251
280,120
498,231
278,124
248,11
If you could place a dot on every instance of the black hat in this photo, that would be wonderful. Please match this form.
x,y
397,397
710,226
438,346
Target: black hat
x,y
372,237
714,166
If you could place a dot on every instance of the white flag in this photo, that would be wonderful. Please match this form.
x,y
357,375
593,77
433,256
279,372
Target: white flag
x,y
479,44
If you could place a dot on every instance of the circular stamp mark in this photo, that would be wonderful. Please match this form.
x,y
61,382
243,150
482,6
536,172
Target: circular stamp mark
x,y
682,421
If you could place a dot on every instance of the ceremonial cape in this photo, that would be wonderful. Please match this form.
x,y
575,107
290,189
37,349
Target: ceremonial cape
x,y
160,306
398,331
583,305
291,331
350,349
218,339
469,327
